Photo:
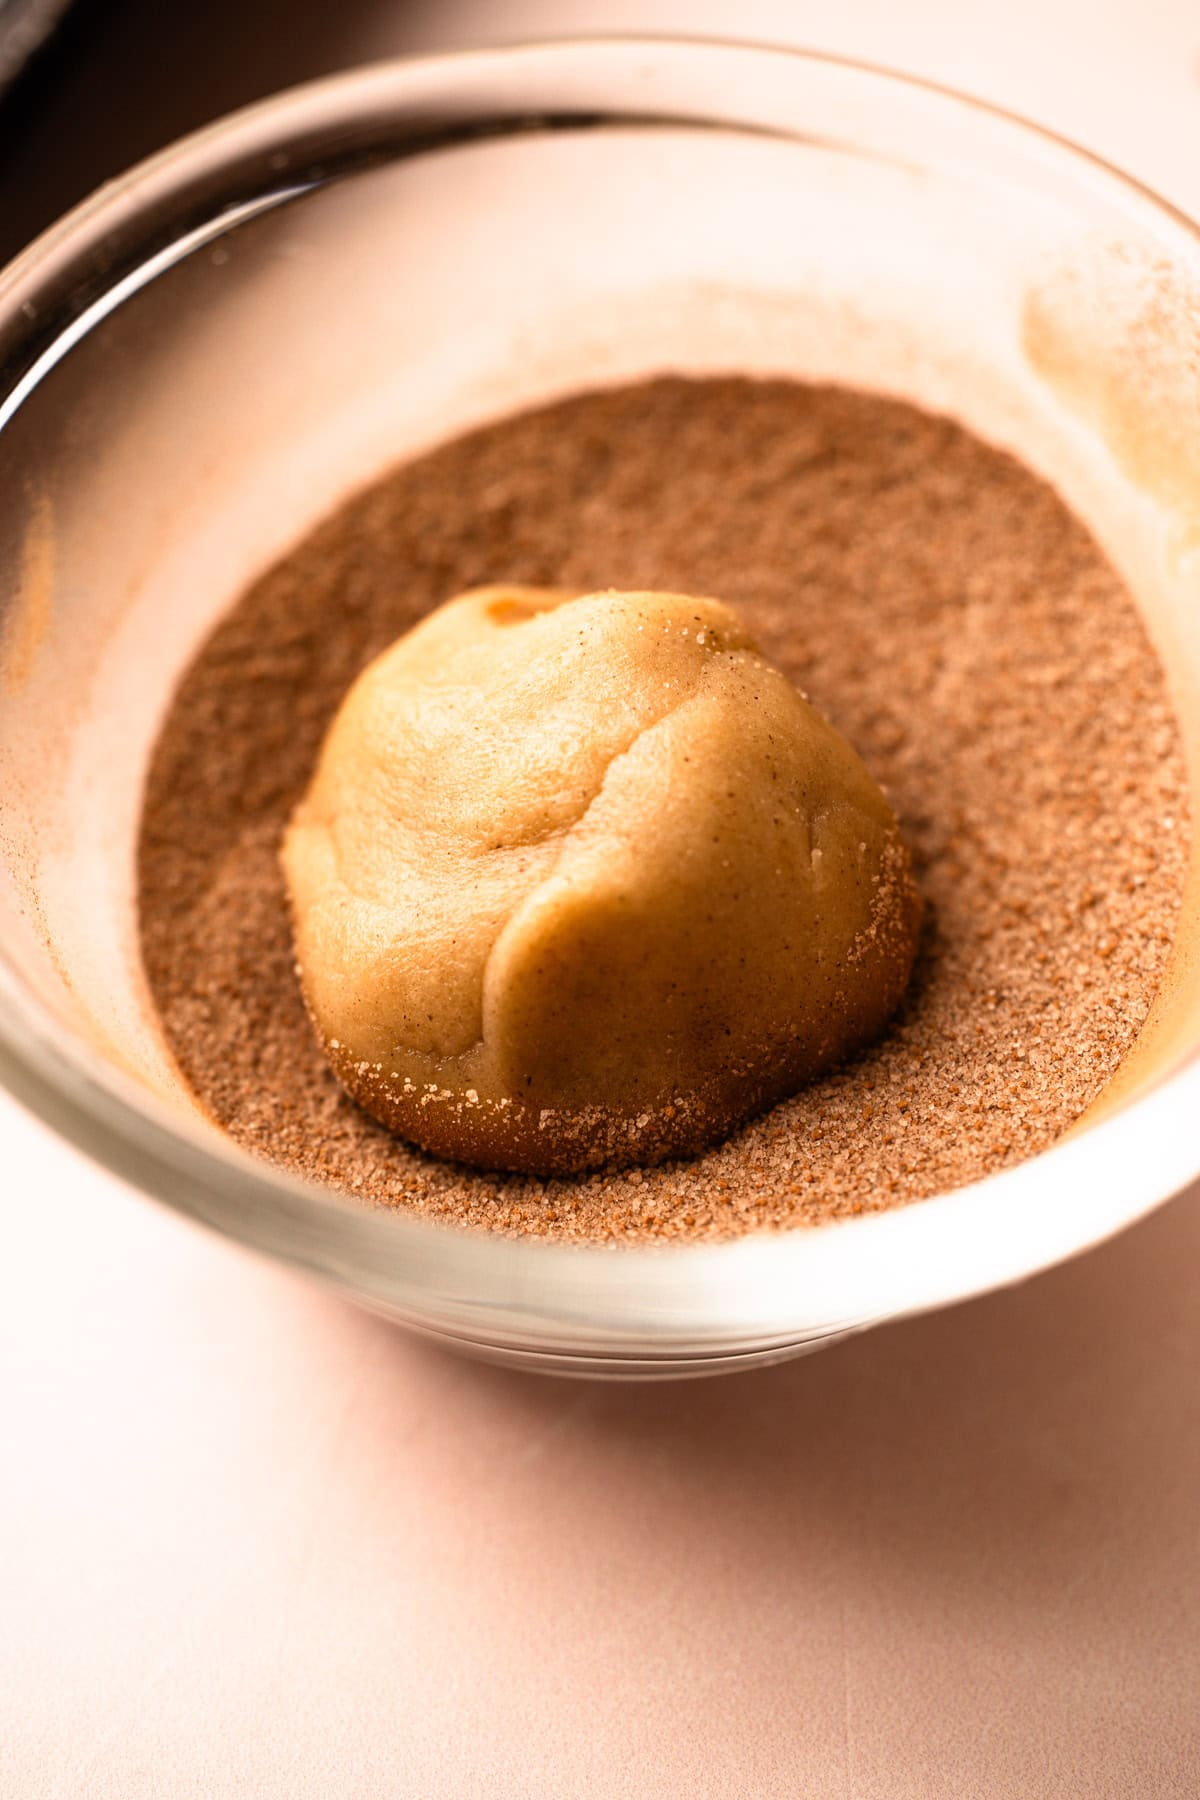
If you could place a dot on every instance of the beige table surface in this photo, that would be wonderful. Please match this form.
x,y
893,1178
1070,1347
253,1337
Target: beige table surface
x,y
254,1542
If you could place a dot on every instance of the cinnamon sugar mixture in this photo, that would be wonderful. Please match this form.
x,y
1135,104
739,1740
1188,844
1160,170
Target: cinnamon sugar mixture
x,y
933,598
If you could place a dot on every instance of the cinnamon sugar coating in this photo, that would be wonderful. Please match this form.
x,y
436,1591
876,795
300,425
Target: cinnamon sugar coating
x,y
937,602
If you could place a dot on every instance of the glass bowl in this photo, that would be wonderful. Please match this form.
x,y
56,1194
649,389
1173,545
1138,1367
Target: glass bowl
x,y
201,360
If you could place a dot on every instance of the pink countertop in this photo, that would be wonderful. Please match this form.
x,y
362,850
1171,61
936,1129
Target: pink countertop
x,y
254,1542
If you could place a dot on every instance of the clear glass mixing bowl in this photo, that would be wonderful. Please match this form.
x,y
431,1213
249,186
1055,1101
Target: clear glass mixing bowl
x,y
200,361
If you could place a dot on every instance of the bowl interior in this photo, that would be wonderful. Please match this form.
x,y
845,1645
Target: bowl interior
x,y
242,380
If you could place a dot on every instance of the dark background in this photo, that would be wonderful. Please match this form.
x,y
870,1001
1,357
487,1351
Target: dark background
x,y
121,78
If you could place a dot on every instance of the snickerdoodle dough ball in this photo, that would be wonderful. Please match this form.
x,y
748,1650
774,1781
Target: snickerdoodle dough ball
x,y
583,880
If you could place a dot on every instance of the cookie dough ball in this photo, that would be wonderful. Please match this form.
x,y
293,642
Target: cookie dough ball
x,y
583,880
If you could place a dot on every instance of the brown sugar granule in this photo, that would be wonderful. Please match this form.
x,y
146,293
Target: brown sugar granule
x,y
934,598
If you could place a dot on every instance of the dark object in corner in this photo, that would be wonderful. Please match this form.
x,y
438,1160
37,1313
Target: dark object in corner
x,y
25,26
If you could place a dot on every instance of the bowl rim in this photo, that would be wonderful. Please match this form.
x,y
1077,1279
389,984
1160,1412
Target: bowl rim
x,y
642,1309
